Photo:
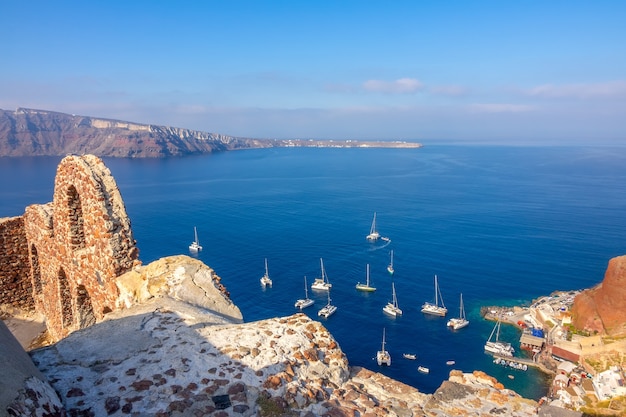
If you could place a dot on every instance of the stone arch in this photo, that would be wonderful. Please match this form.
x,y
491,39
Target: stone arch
x,y
84,307
65,298
76,219
36,272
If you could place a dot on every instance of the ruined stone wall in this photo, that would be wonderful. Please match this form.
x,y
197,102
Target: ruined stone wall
x,y
73,248
15,291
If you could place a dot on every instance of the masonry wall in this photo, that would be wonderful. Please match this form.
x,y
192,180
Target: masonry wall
x,y
66,254
15,288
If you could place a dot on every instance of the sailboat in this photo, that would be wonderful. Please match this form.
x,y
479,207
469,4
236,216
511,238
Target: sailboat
x,y
265,279
382,356
328,310
366,286
496,346
321,283
195,245
459,322
306,301
435,309
392,307
374,235
390,266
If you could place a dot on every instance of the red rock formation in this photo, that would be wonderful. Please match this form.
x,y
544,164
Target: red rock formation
x,y
602,309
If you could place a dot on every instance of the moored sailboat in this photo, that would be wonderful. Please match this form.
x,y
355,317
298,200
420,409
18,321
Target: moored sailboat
x,y
321,283
390,266
382,356
306,301
435,309
366,287
265,279
392,307
459,322
374,235
328,310
496,346
195,245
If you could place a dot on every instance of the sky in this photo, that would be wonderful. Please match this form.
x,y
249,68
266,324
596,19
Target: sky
x,y
432,71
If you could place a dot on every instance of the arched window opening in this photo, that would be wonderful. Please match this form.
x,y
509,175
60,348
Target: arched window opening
x,y
36,271
84,308
65,298
75,216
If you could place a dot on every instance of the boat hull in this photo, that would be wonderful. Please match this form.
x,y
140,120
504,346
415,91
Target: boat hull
x,y
392,310
365,288
304,303
457,323
383,358
434,310
327,311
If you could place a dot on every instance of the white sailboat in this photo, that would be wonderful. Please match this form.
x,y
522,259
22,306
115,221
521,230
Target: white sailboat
x,y
496,346
392,307
435,309
321,283
382,356
390,266
459,322
195,245
374,235
265,279
328,310
306,301
366,287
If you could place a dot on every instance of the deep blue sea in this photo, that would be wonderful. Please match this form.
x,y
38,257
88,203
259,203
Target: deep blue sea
x,y
502,225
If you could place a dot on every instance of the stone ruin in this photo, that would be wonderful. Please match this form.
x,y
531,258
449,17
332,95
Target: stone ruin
x,y
61,258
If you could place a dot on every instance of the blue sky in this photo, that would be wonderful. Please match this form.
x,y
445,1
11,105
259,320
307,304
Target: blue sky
x,y
432,71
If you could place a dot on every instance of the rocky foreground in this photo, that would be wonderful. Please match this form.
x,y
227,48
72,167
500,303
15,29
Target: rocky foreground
x,y
168,354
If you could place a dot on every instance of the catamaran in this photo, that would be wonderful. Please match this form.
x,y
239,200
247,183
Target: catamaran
x,y
306,301
390,266
392,307
374,235
459,322
435,309
195,245
328,310
265,279
496,346
382,356
321,283
366,286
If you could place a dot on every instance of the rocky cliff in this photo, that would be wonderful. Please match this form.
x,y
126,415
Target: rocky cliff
x,y
602,309
28,132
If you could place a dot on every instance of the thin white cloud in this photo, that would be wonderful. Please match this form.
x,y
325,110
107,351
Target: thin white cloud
x,y
612,89
399,86
499,108
448,90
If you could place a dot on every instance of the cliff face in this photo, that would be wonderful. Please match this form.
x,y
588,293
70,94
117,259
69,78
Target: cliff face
x,y
602,309
27,132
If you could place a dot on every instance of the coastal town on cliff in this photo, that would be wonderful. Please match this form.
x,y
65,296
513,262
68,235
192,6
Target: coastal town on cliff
x,y
73,263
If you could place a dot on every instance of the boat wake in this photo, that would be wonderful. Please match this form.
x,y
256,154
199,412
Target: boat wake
x,y
386,242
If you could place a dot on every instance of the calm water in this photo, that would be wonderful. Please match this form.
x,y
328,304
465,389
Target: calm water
x,y
502,225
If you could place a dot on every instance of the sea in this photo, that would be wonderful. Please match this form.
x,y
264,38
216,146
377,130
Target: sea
x,y
503,225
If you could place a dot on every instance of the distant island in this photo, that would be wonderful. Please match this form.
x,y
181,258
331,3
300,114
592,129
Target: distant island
x,y
29,132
